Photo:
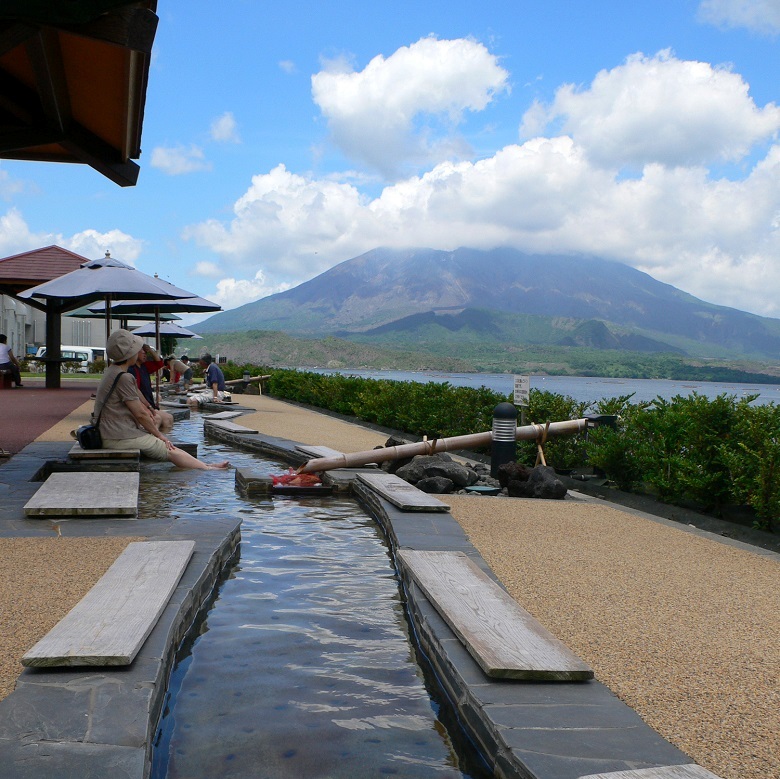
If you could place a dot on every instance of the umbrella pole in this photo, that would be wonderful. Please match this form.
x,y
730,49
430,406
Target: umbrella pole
x,y
108,324
157,345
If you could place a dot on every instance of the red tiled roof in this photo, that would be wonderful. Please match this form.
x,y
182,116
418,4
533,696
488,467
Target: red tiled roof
x,y
32,268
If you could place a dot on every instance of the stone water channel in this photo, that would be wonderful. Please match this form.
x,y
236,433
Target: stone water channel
x,y
303,665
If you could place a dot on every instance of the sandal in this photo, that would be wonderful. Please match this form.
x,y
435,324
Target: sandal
x,y
4,453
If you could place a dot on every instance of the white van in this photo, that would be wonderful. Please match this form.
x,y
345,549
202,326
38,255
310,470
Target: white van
x,y
84,355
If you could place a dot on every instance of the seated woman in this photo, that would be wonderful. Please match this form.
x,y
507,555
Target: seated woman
x,y
125,422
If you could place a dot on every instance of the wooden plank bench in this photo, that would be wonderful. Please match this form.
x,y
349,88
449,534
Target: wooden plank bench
x,y
690,771
231,427
504,639
110,623
77,453
400,493
86,494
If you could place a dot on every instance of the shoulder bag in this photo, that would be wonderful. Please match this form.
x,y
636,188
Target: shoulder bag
x,y
89,436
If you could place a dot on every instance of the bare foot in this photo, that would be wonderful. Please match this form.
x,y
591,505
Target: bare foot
x,y
219,466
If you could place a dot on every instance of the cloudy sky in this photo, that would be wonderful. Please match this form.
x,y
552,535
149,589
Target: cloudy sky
x,y
283,138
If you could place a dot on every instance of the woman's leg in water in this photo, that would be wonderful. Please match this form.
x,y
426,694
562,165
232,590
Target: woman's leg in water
x,y
185,460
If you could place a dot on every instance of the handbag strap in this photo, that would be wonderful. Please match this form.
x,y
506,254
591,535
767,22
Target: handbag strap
x,y
118,376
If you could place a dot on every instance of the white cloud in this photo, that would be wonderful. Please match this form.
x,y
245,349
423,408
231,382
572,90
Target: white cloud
x,y
209,269
93,245
291,225
659,109
373,113
714,238
288,66
9,186
224,129
231,293
16,236
762,16
178,160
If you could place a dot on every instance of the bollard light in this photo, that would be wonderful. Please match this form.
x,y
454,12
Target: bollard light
x,y
246,376
503,447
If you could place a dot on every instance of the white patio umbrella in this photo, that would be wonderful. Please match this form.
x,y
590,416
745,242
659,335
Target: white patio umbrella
x,y
105,279
166,328
192,305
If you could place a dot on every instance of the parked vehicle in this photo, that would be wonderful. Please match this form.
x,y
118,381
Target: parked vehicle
x,y
84,355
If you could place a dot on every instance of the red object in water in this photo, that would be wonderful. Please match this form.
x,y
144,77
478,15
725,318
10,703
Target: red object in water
x,y
294,479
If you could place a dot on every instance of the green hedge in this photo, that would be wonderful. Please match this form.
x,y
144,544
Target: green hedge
x,y
707,453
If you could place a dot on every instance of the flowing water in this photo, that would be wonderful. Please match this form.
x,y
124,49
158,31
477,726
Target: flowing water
x,y
303,666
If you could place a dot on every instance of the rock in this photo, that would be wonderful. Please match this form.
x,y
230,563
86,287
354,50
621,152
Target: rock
x,y
415,470
513,472
457,474
436,485
541,483
251,389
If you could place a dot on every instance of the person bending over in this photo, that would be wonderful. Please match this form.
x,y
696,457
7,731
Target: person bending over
x,y
126,422
215,379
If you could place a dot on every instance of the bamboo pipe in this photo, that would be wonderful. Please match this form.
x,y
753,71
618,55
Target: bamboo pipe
x,y
472,441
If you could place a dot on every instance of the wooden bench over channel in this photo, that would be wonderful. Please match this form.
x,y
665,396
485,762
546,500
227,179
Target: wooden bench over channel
x,y
400,493
86,494
504,639
232,427
691,771
110,623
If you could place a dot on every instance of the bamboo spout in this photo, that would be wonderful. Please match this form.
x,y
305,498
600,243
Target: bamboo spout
x,y
472,441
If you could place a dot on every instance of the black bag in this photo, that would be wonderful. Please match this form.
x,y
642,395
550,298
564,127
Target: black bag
x,y
89,436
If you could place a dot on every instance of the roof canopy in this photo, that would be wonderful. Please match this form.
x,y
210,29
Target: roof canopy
x,y
22,271
73,79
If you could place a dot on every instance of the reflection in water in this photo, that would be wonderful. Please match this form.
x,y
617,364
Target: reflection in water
x,y
304,667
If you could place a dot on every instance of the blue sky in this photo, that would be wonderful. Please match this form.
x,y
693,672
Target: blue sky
x,y
283,138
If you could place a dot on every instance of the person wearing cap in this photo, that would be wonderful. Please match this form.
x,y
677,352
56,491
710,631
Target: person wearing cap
x,y
125,421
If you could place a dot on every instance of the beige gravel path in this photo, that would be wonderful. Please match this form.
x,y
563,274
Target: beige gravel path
x,y
41,580
683,628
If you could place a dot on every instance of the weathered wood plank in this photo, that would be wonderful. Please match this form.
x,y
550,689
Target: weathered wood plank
x,y
77,453
690,771
318,451
225,424
225,415
110,623
400,493
86,494
505,640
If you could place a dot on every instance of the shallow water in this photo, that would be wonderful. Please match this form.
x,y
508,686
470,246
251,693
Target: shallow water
x,y
303,667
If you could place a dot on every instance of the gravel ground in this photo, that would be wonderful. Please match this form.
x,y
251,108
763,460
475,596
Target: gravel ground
x,y
41,579
682,628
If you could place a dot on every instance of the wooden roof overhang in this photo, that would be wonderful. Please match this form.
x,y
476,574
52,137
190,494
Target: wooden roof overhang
x,y
22,271
73,79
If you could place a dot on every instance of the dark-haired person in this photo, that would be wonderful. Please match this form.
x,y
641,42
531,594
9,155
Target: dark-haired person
x,y
8,361
125,421
214,378
149,362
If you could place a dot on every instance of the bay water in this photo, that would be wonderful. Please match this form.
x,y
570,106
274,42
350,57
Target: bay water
x,y
584,389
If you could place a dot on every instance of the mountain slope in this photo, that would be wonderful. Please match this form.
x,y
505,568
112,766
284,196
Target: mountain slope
x,y
387,286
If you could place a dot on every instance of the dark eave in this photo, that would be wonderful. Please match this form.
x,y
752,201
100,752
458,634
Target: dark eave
x,y
73,80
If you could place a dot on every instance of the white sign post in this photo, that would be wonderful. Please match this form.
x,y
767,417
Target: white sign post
x,y
522,390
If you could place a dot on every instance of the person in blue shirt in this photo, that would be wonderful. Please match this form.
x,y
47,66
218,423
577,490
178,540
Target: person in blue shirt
x,y
214,378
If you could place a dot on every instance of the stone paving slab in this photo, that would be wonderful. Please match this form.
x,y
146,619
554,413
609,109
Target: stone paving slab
x,y
225,415
86,495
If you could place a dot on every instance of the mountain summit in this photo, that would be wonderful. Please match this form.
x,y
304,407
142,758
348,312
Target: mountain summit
x,y
388,291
